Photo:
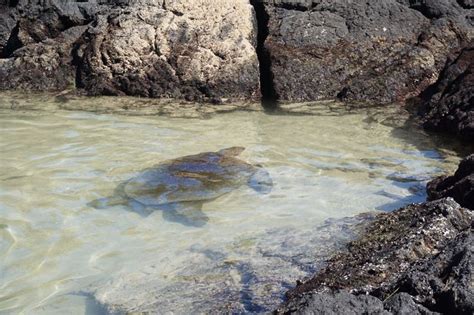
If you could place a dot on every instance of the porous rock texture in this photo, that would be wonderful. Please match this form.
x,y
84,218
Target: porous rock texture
x,y
418,259
460,186
173,49
448,105
378,51
196,50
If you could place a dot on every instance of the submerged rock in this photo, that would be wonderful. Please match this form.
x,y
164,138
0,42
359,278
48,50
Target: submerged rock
x,y
448,105
460,186
418,258
378,51
247,275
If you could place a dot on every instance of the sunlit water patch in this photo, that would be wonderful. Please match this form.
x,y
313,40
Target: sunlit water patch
x,y
59,255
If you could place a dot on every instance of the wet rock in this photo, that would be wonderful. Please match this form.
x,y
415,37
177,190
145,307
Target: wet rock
x,y
7,23
404,303
460,186
371,51
343,302
448,105
423,250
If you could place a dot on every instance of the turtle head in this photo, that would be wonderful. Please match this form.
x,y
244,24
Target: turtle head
x,y
261,181
232,151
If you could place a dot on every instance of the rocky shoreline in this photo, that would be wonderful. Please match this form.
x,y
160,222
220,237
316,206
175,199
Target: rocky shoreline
x,y
417,259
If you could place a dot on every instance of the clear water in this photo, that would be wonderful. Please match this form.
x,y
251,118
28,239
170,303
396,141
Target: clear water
x,y
60,256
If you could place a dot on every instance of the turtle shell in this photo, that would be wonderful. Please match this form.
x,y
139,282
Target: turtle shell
x,y
197,177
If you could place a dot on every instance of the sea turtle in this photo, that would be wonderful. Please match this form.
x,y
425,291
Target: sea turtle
x,y
180,186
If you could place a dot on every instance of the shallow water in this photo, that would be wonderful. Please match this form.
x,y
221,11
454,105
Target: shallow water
x,y
59,255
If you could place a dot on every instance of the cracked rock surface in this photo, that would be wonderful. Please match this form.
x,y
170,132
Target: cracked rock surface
x,y
194,50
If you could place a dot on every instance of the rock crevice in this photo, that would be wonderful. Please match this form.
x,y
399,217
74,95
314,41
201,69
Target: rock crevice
x,y
267,86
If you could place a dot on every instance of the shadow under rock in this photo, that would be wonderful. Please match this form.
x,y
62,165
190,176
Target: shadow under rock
x,y
425,141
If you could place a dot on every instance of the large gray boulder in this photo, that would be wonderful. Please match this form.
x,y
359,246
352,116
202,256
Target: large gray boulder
x,y
195,50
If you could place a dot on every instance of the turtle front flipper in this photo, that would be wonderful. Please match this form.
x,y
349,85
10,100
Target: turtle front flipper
x,y
261,181
186,213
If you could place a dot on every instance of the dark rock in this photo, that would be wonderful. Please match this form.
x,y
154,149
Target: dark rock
x,y
37,41
444,282
336,303
460,186
404,303
466,4
448,105
7,23
32,22
42,66
439,284
390,245
423,250
343,302
373,51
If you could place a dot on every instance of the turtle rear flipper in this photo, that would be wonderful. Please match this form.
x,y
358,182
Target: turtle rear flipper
x,y
185,213
261,181
118,198
107,202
